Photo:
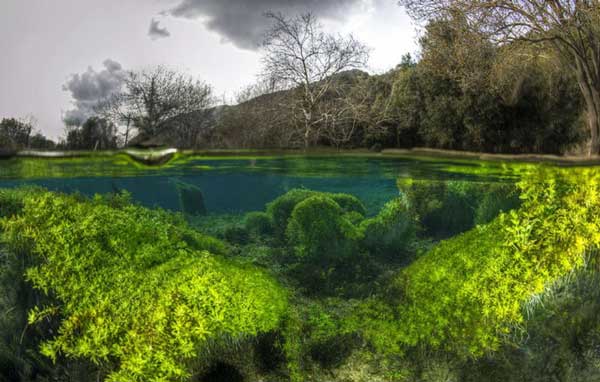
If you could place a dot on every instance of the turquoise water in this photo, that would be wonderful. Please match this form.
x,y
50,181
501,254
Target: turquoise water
x,y
237,185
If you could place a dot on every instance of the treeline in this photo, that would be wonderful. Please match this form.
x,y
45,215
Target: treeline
x,y
95,134
20,134
473,87
464,93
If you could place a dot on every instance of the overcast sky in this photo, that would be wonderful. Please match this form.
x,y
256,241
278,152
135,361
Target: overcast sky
x,y
60,56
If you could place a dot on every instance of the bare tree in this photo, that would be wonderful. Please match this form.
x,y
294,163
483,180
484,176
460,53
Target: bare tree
x,y
156,100
261,118
571,27
299,54
116,109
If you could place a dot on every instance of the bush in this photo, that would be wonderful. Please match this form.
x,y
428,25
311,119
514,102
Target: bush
x,y
391,234
135,290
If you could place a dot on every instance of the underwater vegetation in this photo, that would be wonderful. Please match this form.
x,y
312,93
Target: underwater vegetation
x,y
449,281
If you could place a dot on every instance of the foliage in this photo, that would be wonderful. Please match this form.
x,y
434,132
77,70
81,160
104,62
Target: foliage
x,y
466,294
320,231
281,208
94,134
569,29
40,142
391,234
137,292
15,133
447,208
467,94
258,223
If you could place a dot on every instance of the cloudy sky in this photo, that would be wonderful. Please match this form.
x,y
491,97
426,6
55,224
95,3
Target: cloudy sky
x,y
60,56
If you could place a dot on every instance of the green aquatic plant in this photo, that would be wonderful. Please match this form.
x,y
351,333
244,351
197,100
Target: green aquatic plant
x,y
135,291
319,230
281,208
391,234
447,208
467,293
258,224
444,208
12,199
495,198
236,234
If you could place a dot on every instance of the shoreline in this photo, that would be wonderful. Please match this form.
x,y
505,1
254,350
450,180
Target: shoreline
x,y
161,156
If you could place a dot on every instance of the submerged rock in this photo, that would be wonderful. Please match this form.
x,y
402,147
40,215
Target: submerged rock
x,y
191,199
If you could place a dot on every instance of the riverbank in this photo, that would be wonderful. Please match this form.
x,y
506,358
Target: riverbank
x,y
162,156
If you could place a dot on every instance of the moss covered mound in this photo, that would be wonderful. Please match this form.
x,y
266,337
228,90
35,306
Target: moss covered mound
x,y
135,290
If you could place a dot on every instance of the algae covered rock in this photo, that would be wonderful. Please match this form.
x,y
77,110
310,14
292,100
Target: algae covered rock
x,y
191,199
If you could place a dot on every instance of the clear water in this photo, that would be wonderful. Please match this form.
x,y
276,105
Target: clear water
x,y
460,270
238,185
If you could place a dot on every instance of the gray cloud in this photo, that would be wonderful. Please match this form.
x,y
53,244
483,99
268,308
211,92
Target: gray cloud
x,y
242,21
88,89
155,32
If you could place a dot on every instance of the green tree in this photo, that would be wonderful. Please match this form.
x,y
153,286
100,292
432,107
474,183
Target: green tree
x,y
570,28
15,133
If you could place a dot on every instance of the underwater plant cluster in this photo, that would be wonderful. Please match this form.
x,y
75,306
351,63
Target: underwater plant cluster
x,y
450,281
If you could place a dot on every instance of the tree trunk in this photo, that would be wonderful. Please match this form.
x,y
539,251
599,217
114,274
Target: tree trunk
x,y
306,134
591,96
593,120
307,128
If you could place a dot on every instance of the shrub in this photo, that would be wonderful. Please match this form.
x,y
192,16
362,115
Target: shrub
x,y
137,292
